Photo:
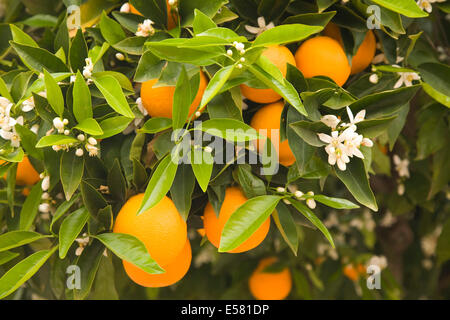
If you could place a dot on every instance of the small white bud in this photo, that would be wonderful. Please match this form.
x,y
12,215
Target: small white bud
x,y
242,52
311,203
92,141
120,56
198,114
298,194
239,66
208,149
79,152
242,59
81,137
45,185
229,52
42,175
44,207
374,78
125,8
66,122
56,148
45,196
66,132
281,190
286,201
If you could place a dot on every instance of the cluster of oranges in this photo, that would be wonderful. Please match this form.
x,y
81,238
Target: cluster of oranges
x,y
162,229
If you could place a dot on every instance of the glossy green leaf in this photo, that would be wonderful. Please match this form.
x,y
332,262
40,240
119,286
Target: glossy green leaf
x,y
216,83
286,225
82,103
408,8
112,91
202,164
70,229
303,209
24,270
356,181
54,93
246,220
55,139
336,203
159,184
285,34
15,239
131,249
71,172
30,207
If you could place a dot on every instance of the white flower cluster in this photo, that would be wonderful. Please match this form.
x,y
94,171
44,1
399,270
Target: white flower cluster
x,y
261,27
145,29
426,4
7,123
310,202
344,142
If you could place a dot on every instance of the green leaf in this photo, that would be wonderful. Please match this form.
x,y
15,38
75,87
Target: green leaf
x,y
54,93
155,125
181,100
313,19
373,128
159,184
283,88
302,151
286,225
202,22
92,199
437,78
216,83
82,103
156,10
7,256
149,67
131,249
336,203
55,139
246,220
20,37
28,140
202,164
62,209
4,91
182,189
24,270
308,131
303,209
111,30
252,186
229,129
71,172
382,104
284,34
111,90
89,261
78,52
408,8
113,126
30,207
70,229
356,181
90,126
209,8
15,239
441,172
39,59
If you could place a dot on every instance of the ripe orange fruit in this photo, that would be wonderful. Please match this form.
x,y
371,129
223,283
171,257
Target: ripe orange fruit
x,y
280,56
270,286
172,19
366,51
174,271
161,228
351,272
269,117
159,101
234,198
26,174
323,56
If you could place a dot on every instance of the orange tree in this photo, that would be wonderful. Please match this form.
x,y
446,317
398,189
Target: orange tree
x,y
274,148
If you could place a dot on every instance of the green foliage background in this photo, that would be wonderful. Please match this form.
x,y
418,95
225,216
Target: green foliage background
x,y
38,52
